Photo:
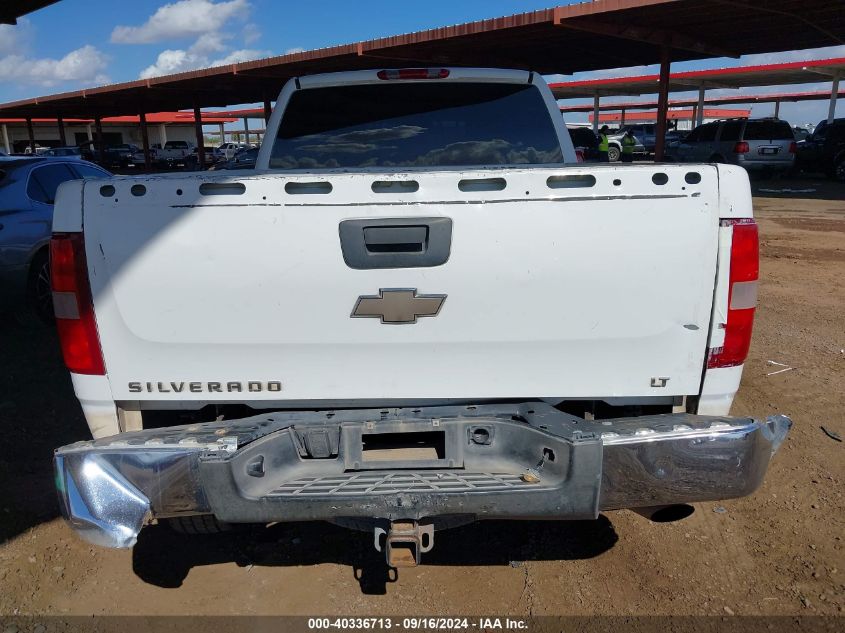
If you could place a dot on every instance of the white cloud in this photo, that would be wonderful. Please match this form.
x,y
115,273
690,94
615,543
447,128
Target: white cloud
x,y
251,33
295,49
184,18
167,63
211,24
178,61
242,55
10,39
86,64
209,43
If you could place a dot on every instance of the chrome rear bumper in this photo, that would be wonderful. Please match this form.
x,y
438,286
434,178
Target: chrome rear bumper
x,y
491,461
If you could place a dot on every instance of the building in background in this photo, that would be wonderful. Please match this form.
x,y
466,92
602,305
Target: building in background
x,y
161,127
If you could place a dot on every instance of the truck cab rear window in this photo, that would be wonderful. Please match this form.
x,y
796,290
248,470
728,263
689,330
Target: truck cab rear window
x,y
415,125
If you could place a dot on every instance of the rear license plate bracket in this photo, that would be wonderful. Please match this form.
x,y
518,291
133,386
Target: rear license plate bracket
x,y
401,444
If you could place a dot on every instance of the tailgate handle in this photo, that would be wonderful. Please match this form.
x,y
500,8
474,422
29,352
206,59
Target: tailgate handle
x,y
395,239
396,242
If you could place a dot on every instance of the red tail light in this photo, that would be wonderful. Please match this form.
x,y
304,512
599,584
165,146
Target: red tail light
x,y
414,73
73,305
741,148
742,295
793,147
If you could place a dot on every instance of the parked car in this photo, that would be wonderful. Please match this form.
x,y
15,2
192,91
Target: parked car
x,y
89,151
242,160
614,145
759,145
397,335
174,153
138,156
824,150
27,192
800,133
645,135
226,151
64,152
120,156
38,150
192,159
585,140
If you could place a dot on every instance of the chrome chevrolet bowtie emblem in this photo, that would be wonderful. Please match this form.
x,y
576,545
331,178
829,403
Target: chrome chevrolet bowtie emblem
x,y
398,305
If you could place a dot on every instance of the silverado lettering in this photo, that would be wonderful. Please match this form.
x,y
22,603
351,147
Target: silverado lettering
x,y
199,387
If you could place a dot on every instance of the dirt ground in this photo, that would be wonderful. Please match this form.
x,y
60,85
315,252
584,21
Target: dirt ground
x,y
778,552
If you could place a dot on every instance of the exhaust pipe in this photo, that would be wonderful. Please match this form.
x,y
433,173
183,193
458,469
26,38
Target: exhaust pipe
x,y
665,514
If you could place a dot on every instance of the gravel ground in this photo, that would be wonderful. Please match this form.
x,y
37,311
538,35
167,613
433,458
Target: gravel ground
x,y
778,552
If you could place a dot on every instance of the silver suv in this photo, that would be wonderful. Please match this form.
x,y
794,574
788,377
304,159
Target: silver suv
x,y
762,145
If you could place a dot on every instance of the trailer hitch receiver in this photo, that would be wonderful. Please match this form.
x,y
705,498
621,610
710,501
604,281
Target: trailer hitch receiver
x,y
403,542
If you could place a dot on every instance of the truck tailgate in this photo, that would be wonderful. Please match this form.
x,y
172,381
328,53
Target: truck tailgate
x,y
570,282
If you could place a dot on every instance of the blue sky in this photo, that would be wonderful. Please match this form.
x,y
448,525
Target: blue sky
x,y
78,43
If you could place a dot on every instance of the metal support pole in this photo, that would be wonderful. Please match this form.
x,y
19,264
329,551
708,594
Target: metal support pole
x,y
834,94
145,142
622,118
61,123
246,129
777,109
31,134
88,131
268,110
699,110
596,113
662,103
98,128
162,134
200,139
222,134
6,140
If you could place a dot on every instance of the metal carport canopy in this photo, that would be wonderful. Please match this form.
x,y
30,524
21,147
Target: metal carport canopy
x,y
783,97
788,73
585,36
11,10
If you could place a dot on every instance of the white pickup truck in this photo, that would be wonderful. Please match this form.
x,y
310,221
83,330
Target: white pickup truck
x,y
418,311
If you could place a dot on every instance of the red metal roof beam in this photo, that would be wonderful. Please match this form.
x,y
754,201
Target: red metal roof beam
x,y
648,34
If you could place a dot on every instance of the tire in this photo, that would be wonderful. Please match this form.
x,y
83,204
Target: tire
x,y
37,311
198,524
613,154
839,170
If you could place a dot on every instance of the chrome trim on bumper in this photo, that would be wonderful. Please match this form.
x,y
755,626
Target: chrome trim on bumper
x,y
110,488
104,508
685,464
